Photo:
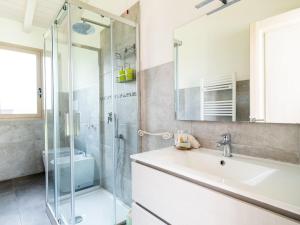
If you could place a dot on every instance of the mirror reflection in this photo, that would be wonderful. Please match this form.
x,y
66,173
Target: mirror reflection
x,y
240,63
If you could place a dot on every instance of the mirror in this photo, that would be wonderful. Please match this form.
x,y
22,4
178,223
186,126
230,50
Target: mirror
x,y
240,63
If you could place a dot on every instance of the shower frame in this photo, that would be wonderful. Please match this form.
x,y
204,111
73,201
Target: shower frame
x,y
53,214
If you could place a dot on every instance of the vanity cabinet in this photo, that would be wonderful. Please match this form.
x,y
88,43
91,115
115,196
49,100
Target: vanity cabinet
x,y
180,202
141,216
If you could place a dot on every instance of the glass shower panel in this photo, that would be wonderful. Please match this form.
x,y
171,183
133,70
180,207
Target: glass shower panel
x,y
92,115
62,122
94,201
124,45
48,155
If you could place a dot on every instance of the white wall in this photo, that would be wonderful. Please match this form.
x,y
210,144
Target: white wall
x,y
86,68
219,44
159,18
12,32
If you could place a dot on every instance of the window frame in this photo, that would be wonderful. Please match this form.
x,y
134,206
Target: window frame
x,y
39,81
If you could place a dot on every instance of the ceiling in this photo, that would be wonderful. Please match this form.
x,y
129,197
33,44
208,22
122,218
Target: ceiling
x,y
46,10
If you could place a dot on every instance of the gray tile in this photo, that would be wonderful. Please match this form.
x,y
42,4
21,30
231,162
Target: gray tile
x,y
6,187
248,134
157,106
266,152
10,219
209,130
34,216
299,144
8,203
272,141
22,143
282,136
21,159
9,213
25,205
31,196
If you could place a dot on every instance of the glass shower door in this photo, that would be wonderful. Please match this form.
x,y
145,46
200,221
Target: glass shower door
x,y
62,123
48,154
91,75
93,116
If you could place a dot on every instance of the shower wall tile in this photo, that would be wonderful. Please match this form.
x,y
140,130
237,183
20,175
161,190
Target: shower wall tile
x,y
105,60
125,107
272,141
128,110
107,168
157,106
86,103
21,147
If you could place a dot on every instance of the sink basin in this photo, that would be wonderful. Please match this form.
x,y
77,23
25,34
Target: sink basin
x,y
265,181
213,164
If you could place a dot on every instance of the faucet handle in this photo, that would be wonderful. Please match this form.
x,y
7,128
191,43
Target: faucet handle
x,y
226,136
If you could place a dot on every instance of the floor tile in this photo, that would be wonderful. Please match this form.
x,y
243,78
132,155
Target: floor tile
x,y
9,213
34,216
31,197
6,187
22,201
10,219
8,203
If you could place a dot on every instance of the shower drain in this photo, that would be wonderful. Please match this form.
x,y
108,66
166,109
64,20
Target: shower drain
x,y
78,219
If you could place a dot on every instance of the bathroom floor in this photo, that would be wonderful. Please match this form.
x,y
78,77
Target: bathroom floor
x,y
22,201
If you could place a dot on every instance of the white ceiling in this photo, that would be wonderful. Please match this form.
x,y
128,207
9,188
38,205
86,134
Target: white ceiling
x,y
46,10
43,15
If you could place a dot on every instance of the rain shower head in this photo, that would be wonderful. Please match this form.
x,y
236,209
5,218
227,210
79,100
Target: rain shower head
x,y
83,28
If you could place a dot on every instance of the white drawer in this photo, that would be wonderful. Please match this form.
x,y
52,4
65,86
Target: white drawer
x,y
142,217
181,202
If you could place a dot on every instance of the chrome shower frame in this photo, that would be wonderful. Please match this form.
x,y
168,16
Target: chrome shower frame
x,y
53,214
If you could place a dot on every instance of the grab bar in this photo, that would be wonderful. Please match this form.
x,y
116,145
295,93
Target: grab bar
x,y
164,135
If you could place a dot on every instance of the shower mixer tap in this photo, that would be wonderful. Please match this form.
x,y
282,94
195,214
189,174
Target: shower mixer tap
x,y
109,118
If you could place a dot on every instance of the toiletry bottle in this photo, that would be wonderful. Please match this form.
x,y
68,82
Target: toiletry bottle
x,y
129,73
122,75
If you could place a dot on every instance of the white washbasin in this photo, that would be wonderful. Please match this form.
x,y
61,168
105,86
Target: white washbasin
x,y
266,181
212,163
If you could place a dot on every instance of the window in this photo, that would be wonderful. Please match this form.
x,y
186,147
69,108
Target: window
x,y
20,82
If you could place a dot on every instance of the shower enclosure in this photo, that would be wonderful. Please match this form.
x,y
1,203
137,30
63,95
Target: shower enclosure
x,y
92,115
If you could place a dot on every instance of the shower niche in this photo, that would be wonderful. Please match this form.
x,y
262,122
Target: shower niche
x,y
91,119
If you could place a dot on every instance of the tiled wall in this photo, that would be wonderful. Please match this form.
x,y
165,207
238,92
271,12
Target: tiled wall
x,y
21,147
273,141
87,104
126,108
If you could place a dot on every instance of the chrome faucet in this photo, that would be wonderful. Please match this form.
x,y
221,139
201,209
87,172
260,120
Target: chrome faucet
x,y
225,145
